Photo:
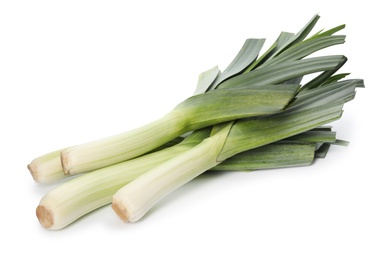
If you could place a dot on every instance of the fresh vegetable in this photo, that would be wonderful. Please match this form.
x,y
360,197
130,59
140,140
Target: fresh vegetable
x,y
256,114
81,195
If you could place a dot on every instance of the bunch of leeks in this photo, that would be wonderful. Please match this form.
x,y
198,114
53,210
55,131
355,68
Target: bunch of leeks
x,y
256,114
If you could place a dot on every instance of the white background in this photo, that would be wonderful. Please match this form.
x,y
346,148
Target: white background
x,y
75,71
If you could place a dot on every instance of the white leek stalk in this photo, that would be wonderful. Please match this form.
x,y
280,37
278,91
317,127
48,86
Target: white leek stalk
x,y
133,200
47,168
196,112
79,196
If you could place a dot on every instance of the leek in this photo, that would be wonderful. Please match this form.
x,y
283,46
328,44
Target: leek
x,y
309,110
256,114
79,196
133,200
107,151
